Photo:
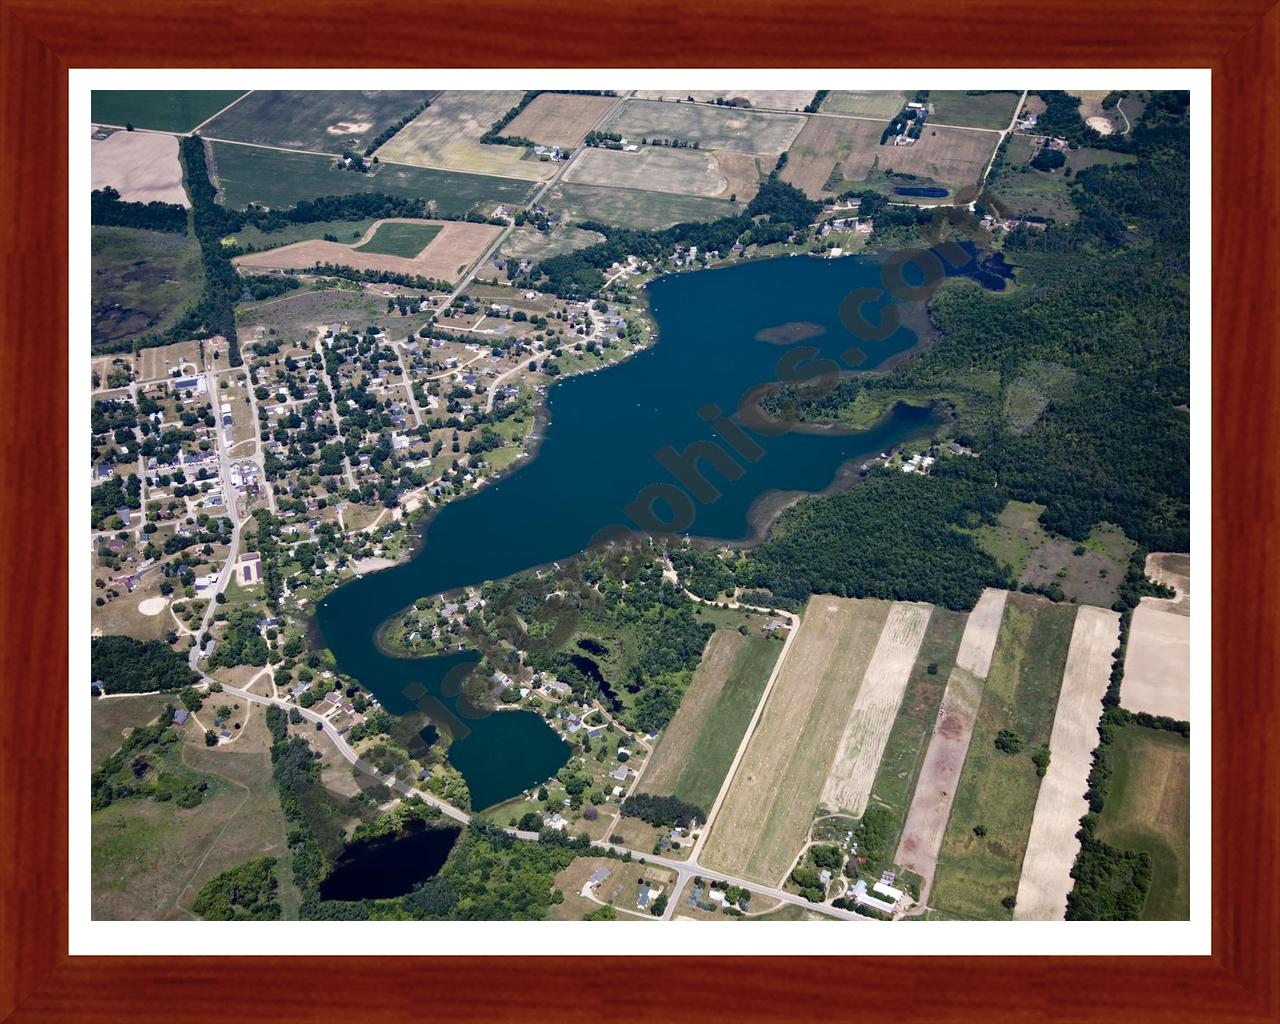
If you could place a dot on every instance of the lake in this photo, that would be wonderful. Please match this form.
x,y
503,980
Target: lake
x,y
388,867
598,452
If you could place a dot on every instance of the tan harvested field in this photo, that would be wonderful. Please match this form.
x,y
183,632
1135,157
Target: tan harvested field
x,y
677,743
734,128
1052,845
824,143
559,119
772,798
657,168
446,257
936,788
743,172
142,166
447,135
979,641
777,99
1157,663
1173,570
952,156
866,103
871,718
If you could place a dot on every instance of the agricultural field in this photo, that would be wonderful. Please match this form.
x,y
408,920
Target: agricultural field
x,y
949,743
151,858
659,169
274,178
1088,572
528,243
1157,663
141,281
252,238
879,104
142,166
399,238
632,208
777,99
1148,810
998,789
453,247
875,709
917,713
165,110
559,119
696,749
1052,846
992,110
771,801
447,135
315,120
834,154
712,127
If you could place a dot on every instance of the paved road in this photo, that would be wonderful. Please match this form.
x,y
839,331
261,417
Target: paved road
x,y
684,869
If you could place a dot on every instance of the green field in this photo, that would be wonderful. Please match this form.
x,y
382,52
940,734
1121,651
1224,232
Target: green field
x,y
247,174
405,240
528,243
712,127
1088,572
1016,189
969,110
149,859
294,314
165,110
1148,810
633,208
704,771
310,119
998,790
252,238
877,103
141,282
111,718
909,739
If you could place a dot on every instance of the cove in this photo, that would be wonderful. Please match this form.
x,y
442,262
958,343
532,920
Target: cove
x,y
597,453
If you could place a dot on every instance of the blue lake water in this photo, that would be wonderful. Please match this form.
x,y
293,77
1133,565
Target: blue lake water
x,y
596,456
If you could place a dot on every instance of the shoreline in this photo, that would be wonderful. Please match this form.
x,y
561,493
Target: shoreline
x,y
763,511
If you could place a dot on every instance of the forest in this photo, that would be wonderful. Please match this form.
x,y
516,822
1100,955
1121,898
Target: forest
x,y
1102,302
125,665
108,209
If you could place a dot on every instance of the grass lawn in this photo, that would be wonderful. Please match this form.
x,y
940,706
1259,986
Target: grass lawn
x,y
909,739
1148,809
405,240
247,174
998,790
165,110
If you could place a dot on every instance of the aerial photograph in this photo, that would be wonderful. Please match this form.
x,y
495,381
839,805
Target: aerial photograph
x,y
637,505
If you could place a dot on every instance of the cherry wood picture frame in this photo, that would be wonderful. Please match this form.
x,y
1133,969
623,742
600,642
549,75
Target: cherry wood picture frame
x,y
41,39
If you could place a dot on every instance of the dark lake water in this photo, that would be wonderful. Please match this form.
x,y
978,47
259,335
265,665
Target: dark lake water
x,y
388,867
923,191
597,454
